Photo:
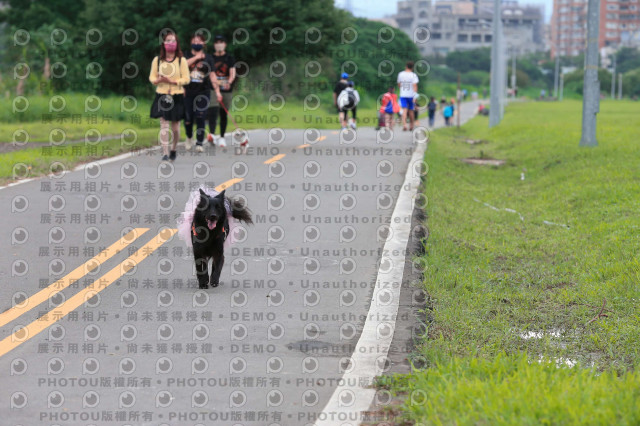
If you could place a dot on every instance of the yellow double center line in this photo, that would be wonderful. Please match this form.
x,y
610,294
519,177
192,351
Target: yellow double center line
x,y
20,336
64,282
35,327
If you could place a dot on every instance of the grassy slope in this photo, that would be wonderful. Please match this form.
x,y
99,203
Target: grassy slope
x,y
491,275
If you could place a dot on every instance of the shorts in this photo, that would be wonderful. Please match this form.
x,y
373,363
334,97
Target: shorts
x,y
407,103
346,111
227,98
169,107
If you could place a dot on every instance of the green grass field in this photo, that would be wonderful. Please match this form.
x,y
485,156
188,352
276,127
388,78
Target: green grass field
x,y
492,276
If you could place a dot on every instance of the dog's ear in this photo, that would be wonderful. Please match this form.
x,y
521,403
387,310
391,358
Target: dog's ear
x,y
221,195
203,197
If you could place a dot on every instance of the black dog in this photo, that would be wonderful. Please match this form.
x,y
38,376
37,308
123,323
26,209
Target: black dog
x,y
209,230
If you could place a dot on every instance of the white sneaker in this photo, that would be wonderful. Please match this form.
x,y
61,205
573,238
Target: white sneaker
x,y
211,138
353,126
188,144
222,142
199,148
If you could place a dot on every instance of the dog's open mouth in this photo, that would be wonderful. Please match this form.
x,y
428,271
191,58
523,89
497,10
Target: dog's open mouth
x,y
211,223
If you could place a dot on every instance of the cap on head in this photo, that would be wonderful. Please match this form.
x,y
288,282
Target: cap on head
x,y
344,75
219,37
350,84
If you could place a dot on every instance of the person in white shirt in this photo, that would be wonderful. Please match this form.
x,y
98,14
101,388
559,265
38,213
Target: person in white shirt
x,y
408,84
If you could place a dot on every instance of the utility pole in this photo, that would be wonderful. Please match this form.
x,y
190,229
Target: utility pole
x,y
561,86
620,86
555,79
496,83
458,96
613,77
502,63
556,14
591,91
513,71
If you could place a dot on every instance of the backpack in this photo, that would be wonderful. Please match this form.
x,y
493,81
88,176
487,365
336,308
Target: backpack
x,y
448,111
348,99
387,104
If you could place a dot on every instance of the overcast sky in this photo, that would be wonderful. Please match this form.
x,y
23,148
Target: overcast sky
x,y
380,8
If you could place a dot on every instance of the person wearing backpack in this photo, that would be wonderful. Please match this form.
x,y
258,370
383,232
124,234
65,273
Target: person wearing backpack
x,y
169,73
389,106
348,101
340,86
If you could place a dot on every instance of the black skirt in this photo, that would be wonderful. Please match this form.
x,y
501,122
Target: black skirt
x,y
169,107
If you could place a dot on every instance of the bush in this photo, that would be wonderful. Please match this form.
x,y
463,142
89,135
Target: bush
x,y
443,73
574,81
631,83
470,60
475,78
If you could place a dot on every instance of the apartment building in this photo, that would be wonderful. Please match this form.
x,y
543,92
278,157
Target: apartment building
x,y
619,25
466,24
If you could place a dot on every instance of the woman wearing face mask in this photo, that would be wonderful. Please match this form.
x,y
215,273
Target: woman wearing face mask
x,y
197,91
169,72
224,68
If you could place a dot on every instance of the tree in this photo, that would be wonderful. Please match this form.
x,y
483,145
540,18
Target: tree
x,y
378,62
470,60
95,29
627,59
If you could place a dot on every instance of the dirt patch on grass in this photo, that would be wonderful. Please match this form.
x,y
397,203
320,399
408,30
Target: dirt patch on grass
x,y
475,141
483,161
563,284
436,330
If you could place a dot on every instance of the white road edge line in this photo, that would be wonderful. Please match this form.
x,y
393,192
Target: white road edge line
x,y
351,397
99,162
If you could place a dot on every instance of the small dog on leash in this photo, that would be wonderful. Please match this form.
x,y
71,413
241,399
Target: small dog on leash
x,y
207,224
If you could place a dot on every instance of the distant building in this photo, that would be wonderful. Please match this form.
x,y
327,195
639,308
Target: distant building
x,y
386,20
466,24
619,24
546,37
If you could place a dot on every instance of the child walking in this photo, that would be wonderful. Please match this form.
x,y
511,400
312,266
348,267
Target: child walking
x,y
389,106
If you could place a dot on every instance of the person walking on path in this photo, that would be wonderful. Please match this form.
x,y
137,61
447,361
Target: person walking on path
x,y
197,91
408,84
448,113
432,106
348,101
225,73
339,87
389,107
169,73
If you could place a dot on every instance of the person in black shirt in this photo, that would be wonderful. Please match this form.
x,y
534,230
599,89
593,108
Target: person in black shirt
x,y
224,69
432,106
340,86
197,91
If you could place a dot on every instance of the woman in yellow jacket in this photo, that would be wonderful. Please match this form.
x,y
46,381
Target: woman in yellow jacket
x,y
169,72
